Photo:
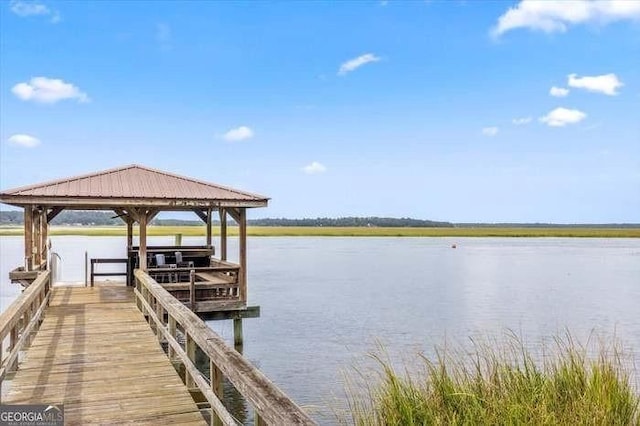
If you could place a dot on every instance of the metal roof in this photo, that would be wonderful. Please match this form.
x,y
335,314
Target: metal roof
x,y
136,185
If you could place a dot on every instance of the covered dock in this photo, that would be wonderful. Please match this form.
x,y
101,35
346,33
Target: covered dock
x,y
137,194
139,351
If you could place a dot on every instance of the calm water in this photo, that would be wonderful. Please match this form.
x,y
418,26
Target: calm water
x,y
326,302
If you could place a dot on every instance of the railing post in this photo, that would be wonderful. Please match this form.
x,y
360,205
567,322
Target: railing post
x,y
13,340
190,349
215,378
160,315
26,319
172,333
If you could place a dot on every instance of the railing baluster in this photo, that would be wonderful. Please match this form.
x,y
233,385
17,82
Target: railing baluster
x,y
13,339
160,315
190,349
172,333
25,322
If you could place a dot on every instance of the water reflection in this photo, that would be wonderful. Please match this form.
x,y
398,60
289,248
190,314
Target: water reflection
x,y
326,302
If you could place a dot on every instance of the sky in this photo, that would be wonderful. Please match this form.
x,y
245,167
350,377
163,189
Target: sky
x,y
463,111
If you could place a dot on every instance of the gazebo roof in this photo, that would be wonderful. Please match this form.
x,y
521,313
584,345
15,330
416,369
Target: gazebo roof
x,y
132,185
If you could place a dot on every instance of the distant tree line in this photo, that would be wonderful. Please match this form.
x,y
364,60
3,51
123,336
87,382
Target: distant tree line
x,y
106,218
385,222
67,217
547,225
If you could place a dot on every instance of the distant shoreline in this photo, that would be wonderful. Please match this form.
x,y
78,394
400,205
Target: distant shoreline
x,y
319,231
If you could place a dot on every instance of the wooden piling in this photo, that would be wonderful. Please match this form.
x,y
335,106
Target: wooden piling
x,y
223,233
238,340
28,238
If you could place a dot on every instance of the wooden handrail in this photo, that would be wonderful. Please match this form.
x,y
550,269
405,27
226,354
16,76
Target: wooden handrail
x,y
94,274
271,405
21,319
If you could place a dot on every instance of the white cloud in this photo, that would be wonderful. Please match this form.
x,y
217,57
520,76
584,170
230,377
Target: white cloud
x,y
314,168
26,141
558,92
238,134
557,15
34,8
607,83
560,117
490,131
48,91
521,121
355,63
163,36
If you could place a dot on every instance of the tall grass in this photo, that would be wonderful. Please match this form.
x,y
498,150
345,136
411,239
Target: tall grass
x,y
319,231
492,385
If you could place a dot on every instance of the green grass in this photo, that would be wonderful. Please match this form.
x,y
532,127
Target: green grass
x,y
295,231
494,385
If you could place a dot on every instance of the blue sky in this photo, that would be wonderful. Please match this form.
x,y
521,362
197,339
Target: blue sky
x,y
462,111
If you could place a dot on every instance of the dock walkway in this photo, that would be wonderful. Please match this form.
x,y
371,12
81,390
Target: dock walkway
x,y
96,354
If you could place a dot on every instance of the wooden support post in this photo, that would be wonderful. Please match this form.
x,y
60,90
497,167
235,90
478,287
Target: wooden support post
x,y
142,223
128,218
129,234
209,227
243,254
238,339
223,233
44,235
192,290
28,238
37,251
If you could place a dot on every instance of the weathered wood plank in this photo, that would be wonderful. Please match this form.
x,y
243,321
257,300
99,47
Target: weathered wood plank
x,y
96,354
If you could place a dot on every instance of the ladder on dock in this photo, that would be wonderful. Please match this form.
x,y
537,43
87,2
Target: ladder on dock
x,y
99,352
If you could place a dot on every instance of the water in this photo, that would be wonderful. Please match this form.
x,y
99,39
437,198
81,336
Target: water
x,y
327,302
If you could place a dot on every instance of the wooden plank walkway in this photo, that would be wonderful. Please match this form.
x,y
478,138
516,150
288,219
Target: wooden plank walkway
x,y
97,355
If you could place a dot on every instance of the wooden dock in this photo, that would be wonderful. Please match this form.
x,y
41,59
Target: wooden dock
x,y
96,354
111,354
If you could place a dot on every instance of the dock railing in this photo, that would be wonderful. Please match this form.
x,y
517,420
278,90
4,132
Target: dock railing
x,y
20,320
167,316
94,274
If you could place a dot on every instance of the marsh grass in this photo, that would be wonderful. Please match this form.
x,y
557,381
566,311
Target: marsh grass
x,y
499,385
303,231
